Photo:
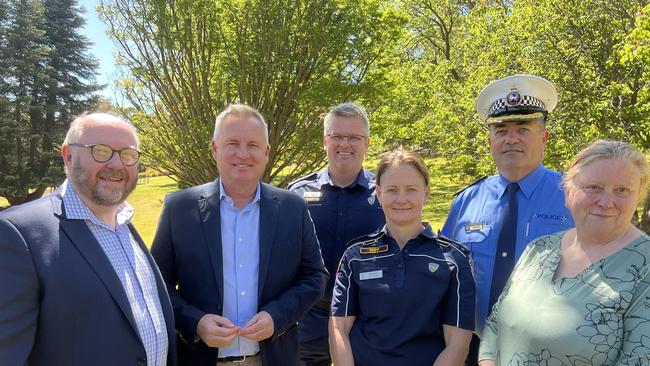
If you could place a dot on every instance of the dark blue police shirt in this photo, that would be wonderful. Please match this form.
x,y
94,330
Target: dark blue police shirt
x,y
339,214
401,299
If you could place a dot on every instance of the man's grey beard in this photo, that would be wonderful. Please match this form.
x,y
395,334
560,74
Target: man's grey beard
x,y
97,194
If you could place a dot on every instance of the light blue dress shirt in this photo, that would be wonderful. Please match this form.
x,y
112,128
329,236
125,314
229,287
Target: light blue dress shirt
x,y
474,220
240,243
132,268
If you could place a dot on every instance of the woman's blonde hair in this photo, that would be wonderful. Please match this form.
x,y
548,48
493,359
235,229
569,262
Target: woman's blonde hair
x,y
610,149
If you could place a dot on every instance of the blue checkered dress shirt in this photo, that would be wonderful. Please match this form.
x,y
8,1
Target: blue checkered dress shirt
x,y
132,268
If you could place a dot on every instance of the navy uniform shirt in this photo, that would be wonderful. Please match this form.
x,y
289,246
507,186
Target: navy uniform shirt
x,y
401,299
475,216
339,214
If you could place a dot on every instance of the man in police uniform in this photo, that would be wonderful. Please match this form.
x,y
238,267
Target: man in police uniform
x,y
497,216
343,206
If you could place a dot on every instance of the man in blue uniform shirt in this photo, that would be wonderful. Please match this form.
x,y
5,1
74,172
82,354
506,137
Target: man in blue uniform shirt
x,y
343,205
497,216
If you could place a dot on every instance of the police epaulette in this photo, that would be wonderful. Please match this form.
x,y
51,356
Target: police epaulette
x,y
446,242
473,183
311,176
367,239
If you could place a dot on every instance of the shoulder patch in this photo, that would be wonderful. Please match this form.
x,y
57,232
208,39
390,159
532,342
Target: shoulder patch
x,y
446,242
473,183
311,177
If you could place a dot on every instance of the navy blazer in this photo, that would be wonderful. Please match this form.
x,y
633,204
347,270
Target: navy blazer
x,y
61,302
292,276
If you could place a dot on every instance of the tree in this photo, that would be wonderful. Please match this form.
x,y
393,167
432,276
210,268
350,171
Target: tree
x,y
445,63
71,69
46,80
636,51
604,94
575,44
22,94
594,51
292,60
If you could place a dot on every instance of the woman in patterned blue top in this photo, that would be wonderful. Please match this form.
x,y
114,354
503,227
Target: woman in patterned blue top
x,y
582,296
402,296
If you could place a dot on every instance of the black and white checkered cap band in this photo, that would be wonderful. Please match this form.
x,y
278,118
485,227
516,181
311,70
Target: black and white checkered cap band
x,y
502,105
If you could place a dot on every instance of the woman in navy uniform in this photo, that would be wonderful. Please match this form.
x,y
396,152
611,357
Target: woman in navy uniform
x,y
402,296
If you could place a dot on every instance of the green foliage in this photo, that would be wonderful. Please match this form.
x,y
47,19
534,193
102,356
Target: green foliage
x,y
636,51
417,65
577,45
147,199
292,60
45,79
452,49
596,52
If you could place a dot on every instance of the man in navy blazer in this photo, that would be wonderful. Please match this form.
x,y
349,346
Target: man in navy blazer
x,y
77,284
240,257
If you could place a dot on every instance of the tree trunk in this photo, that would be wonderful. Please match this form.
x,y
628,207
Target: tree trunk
x,y
35,194
645,215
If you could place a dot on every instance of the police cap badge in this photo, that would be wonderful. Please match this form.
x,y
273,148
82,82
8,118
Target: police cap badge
x,y
516,98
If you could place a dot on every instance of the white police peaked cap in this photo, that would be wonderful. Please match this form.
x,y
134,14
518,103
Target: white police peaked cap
x,y
516,98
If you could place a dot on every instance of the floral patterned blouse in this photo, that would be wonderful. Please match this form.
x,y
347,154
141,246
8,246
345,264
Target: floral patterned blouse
x,y
599,317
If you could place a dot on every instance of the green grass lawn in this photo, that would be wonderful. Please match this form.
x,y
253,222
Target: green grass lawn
x,y
443,185
148,197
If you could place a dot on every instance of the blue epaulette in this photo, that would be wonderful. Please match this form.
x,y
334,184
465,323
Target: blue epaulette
x,y
367,239
307,178
369,244
474,183
446,242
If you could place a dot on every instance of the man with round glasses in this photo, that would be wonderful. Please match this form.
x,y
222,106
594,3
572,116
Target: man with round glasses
x,y
103,153
78,284
343,205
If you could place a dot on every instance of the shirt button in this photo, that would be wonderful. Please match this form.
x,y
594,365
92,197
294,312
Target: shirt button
x,y
240,239
243,293
504,254
241,266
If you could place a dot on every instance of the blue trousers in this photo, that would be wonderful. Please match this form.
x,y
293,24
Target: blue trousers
x,y
313,336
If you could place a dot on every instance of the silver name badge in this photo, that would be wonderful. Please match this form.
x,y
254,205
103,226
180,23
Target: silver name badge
x,y
371,275
312,196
